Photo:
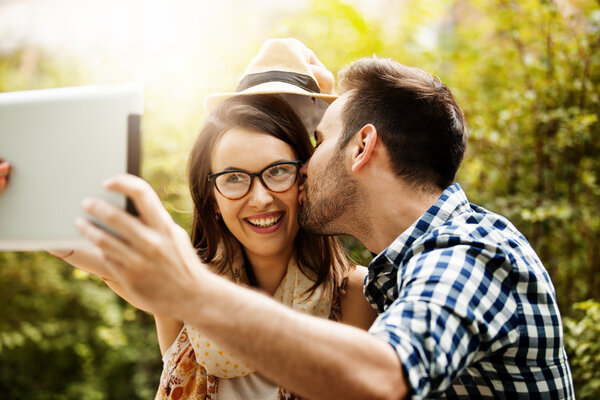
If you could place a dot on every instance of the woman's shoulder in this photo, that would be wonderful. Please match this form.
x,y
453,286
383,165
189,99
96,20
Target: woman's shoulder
x,y
356,277
356,310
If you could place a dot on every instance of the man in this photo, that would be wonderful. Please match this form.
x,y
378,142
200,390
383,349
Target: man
x,y
466,307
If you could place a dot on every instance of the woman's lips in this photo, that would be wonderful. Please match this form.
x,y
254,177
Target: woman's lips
x,y
265,223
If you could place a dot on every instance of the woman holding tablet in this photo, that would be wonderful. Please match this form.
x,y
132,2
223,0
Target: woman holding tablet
x,y
244,178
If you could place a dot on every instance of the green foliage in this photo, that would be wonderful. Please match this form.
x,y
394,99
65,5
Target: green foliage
x,y
64,335
582,342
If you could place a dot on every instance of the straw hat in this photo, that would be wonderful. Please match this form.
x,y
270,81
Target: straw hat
x,y
281,66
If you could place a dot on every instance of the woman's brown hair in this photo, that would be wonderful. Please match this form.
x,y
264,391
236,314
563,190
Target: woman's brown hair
x,y
321,255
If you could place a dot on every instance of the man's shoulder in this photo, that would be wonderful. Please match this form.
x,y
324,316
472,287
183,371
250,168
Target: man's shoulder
x,y
476,226
473,237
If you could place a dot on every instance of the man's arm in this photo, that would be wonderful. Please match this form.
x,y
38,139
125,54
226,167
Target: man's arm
x,y
313,357
158,268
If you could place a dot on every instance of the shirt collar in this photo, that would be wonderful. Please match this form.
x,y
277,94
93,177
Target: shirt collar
x,y
452,202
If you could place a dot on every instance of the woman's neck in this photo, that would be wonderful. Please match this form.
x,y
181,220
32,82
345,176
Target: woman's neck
x,y
268,271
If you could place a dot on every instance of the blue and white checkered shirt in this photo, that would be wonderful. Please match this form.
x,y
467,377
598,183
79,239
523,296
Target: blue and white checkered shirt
x,y
469,308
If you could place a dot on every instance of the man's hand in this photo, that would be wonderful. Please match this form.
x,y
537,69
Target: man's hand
x,y
154,262
4,170
324,77
92,260
152,259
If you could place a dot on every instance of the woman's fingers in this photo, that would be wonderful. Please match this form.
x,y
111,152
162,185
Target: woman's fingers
x,y
4,170
145,199
324,77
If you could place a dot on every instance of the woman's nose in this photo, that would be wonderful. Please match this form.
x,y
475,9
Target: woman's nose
x,y
259,195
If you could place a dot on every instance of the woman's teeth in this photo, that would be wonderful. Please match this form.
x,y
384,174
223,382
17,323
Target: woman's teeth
x,y
264,222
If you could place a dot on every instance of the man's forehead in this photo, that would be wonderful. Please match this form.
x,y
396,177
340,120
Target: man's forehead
x,y
332,119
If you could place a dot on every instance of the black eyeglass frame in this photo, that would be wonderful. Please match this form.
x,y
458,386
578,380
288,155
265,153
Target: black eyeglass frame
x,y
213,177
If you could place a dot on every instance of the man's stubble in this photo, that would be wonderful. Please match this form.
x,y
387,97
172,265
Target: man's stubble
x,y
330,203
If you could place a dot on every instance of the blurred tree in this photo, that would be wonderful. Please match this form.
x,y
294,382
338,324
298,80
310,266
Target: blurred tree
x,y
582,341
64,335
529,87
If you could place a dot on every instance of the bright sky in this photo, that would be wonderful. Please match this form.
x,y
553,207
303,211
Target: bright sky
x,y
175,47
180,49
157,36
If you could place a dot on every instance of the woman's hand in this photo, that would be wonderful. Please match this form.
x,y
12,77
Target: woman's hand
x,y
4,171
324,77
152,258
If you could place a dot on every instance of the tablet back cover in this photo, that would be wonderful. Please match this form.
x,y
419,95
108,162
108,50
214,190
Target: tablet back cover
x,y
62,143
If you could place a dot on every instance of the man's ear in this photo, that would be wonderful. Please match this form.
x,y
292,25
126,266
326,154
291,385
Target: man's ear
x,y
366,140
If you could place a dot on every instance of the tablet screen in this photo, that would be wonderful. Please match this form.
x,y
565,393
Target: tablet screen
x,y
61,144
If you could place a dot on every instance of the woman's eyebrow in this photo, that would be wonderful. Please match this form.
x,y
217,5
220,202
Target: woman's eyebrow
x,y
232,169
266,165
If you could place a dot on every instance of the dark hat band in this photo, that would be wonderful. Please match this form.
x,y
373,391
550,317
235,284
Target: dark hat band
x,y
300,80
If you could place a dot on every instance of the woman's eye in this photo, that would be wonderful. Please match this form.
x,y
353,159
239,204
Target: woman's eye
x,y
235,178
276,171
281,170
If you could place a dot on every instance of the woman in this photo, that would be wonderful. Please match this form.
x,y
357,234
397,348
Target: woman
x,y
243,176
244,181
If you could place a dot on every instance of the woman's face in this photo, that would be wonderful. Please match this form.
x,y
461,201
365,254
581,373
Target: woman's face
x,y
264,222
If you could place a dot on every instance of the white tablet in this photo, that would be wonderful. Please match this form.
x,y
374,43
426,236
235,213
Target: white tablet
x,y
61,144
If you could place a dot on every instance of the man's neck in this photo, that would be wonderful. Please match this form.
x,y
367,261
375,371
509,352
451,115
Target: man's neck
x,y
394,207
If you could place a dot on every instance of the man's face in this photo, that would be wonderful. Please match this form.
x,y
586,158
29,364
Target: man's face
x,y
328,193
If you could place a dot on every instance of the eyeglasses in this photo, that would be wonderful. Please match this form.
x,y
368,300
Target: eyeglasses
x,y
277,177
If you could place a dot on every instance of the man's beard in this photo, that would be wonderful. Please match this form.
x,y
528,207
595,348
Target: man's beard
x,y
331,203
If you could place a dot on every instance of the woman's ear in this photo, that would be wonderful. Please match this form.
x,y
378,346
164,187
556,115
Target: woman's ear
x,y
216,209
366,140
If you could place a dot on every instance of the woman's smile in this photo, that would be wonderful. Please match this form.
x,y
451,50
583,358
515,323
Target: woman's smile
x,y
265,223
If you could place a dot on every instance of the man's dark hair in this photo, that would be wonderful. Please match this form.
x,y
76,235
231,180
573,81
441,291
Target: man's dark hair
x,y
416,116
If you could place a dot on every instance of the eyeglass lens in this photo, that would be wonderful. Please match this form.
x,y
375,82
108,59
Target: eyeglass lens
x,y
277,178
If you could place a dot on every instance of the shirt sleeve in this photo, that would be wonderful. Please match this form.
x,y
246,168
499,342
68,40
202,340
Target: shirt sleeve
x,y
454,306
